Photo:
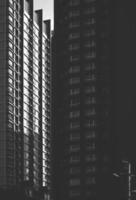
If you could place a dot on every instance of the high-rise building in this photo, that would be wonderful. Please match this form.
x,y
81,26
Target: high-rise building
x,y
25,96
82,75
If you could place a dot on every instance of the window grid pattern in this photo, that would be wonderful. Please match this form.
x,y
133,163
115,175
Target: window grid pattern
x,y
27,91
45,109
14,67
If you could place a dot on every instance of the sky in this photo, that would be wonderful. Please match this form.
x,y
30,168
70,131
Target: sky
x,y
47,6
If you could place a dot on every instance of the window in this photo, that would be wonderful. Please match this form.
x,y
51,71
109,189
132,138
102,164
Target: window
x,y
74,182
26,75
11,1
90,180
91,158
74,193
10,45
74,58
90,44
74,159
74,13
90,147
74,2
90,77
90,66
74,148
11,54
74,35
89,10
90,100
90,21
90,55
10,63
11,73
90,112
90,89
10,18
74,80
90,169
90,124
74,114
11,28
89,33
74,136
11,10
74,24
74,46
74,125
75,102
74,170
10,81
74,91
74,69
90,135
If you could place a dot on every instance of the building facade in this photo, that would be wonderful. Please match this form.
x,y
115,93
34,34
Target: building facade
x,y
25,96
83,131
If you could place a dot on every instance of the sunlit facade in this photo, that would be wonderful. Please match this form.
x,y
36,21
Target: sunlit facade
x,y
25,95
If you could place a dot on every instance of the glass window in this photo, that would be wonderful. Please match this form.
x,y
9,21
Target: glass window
x,y
26,99
90,54
11,54
90,21
74,136
90,112
74,58
74,91
74,13
26,75
74,170
74,46
10,18
74,125
10,72
11,36
90,147
74,114
90,169
74,24
91,158
11,27
10,81
90,100
74,182
74,2
89,33
74,193
74,148
74,69
74,159
90,180
90,123
74,35
89,77
74,80
11,1
89,10
90,89
90,66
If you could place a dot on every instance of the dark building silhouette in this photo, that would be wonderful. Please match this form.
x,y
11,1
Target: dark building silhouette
x,y
83,100
125,95
94,97
25,101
